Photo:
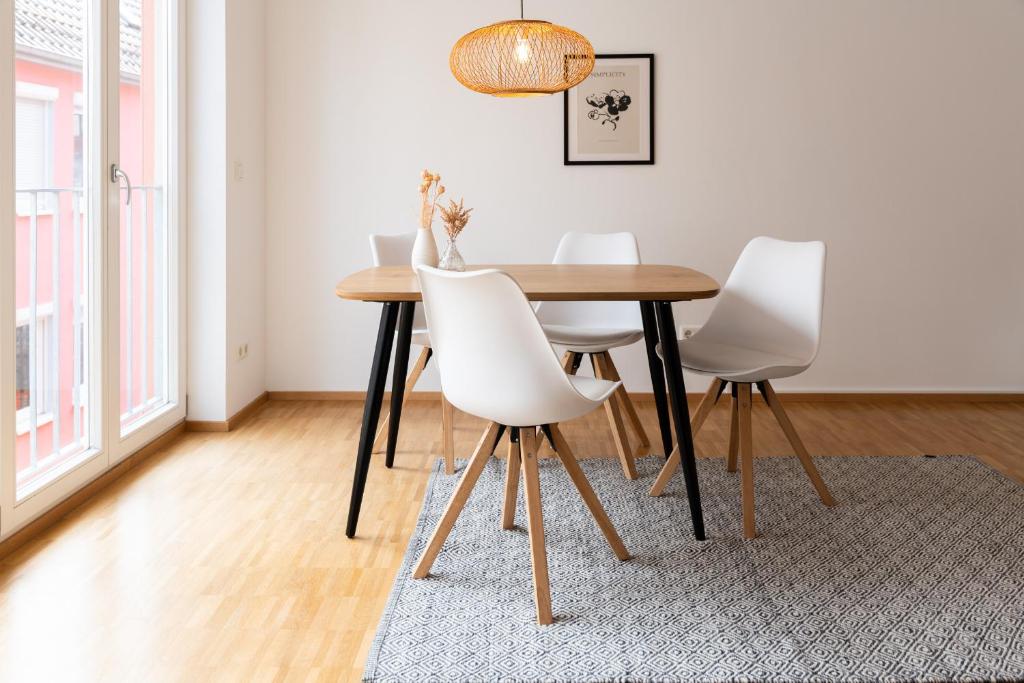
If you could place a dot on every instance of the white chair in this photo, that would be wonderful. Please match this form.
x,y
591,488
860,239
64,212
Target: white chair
x,y
396,250
595,327
496,363
766,325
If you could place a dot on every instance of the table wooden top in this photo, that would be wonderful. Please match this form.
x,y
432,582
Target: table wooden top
x,y
547,282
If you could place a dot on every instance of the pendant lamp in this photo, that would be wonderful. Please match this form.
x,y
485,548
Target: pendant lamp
x,y
521,58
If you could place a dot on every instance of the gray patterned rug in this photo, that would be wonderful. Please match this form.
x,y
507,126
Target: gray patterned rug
x,y
918,575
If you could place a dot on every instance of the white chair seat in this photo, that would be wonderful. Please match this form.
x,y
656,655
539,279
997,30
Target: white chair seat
x,y
591,339
593,326
420,337
495,406
597,390
736,363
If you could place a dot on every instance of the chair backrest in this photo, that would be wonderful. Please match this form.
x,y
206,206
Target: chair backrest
x,y
580,248
396,250
772,300
493,356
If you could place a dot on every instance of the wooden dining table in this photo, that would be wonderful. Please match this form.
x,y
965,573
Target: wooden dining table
x,y
653,287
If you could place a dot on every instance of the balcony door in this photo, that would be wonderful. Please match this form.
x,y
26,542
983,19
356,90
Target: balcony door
x,y
91,276
150,396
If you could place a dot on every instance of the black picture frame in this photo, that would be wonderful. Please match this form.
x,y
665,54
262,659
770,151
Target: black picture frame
x,y
566,161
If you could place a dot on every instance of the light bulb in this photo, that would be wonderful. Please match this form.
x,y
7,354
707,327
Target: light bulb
x,y
522,50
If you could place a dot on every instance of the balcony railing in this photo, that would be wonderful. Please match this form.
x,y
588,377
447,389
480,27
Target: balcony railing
x,y
55,211
145,304
143,310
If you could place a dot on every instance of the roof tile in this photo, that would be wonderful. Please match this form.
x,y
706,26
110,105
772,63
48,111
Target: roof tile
x,y
54,27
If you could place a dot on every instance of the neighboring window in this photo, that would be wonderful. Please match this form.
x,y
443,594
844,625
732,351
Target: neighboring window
x,y
78,382
22,382
78,130
33,152
44,378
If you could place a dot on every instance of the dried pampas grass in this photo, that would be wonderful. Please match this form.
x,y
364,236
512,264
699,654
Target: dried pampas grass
x,y
455,218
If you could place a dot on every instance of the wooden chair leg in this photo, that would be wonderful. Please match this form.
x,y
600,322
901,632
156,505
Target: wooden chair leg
x,y
565,454
545,444
746,461
707,403
497,439
665,476
626,404
448,435
535,520
512,466
570,363
568,359
458,501
414,376
703,410
794,440
619,435
544,449
734,432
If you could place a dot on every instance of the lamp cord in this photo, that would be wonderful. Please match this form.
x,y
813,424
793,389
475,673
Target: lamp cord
x,y
521,16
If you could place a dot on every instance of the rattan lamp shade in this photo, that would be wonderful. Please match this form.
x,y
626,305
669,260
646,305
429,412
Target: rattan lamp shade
x,y
521,58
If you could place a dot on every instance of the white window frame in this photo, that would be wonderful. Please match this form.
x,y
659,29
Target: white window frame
x,y
136,434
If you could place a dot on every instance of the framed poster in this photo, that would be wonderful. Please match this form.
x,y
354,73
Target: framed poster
x,y
609,117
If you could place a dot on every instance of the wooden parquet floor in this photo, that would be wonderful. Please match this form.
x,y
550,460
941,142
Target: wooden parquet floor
x,y
224,557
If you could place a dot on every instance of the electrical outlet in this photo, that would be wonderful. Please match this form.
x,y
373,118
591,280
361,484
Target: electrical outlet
x,y
243,351
687,331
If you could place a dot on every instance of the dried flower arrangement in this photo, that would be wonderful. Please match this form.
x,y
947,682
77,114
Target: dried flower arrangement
x,y
455,218
428,203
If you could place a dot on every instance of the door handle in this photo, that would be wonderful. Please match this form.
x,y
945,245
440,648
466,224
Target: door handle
x,y
116,174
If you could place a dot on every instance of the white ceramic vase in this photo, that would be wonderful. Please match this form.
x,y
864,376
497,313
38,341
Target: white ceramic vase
x,y
424,249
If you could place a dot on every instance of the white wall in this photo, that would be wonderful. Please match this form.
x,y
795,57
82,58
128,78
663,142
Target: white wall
x,y
246,379
207,214
226,213
891,129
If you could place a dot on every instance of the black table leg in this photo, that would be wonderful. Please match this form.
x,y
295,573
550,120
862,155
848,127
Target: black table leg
x,y
371,409
405,313
657,373
680,412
